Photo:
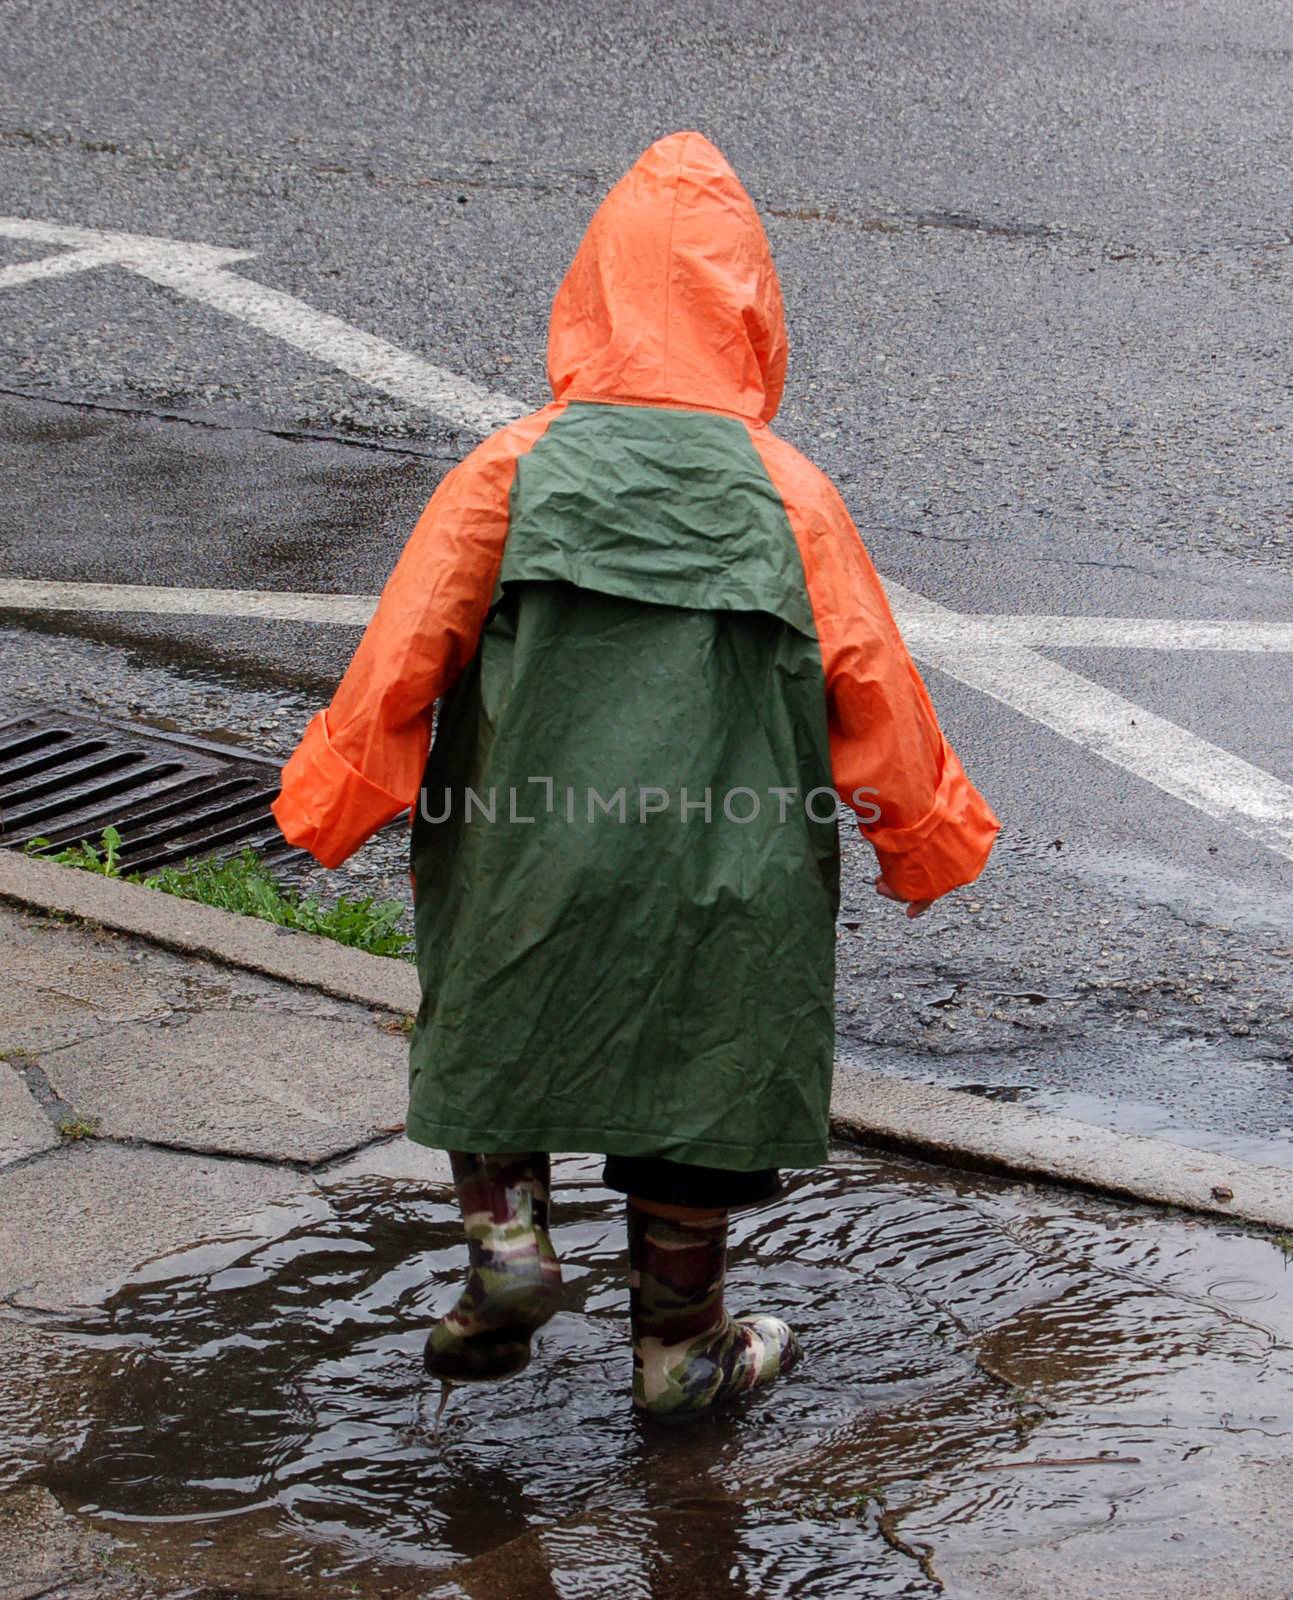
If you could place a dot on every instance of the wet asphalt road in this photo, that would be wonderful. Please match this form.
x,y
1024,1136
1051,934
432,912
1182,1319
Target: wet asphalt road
x,y
1037,270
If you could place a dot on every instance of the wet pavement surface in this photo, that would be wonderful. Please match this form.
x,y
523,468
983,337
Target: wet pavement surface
x,y
221,501
1036,276
1165,1006
1156,1013
1004,1386
1036,263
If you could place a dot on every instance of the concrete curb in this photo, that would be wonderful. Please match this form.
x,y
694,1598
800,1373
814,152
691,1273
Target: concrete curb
x,y
959,1129
302,958
945,1125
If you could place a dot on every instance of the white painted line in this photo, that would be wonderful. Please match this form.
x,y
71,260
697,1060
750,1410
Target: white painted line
x,y
1170,757
270,605
58,266
974,650
326,338
197,272
1143,633
123,248
970,649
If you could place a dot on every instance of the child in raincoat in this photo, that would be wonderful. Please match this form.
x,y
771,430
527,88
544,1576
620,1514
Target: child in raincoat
x,y
661,655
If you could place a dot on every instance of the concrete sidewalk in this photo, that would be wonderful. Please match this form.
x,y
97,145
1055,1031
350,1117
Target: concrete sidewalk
x,y
164,1113
323,1092
150,1098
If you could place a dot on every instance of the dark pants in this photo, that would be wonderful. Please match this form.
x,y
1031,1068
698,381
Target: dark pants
x,y
678,1183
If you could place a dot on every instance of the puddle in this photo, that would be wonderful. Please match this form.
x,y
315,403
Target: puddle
x,y
254,1425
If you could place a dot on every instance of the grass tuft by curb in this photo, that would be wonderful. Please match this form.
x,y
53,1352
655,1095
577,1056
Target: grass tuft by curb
x,y
245,885
74,1129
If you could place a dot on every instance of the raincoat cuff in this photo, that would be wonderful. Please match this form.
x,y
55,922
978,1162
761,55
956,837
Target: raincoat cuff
x,y
325,805
947,848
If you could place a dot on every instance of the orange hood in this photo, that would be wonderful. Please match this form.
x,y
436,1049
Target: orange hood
x,y
672,295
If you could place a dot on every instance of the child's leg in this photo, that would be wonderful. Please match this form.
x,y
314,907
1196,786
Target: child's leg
x,y
658,1208
688,1353
513,1277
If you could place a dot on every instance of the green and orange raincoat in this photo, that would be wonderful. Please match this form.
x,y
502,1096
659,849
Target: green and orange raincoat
x,y
657,643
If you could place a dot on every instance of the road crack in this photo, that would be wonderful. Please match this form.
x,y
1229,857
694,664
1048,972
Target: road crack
x,y
406,446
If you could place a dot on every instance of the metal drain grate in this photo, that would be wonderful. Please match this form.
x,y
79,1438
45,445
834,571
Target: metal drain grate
x,y
66,778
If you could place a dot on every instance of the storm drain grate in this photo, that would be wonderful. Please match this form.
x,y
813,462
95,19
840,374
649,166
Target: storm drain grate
x,y
65,778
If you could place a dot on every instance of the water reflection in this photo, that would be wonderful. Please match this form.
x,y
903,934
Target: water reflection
x,y
263,1418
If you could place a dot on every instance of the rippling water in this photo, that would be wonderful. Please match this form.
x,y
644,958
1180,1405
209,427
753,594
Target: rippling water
x,y
261,1423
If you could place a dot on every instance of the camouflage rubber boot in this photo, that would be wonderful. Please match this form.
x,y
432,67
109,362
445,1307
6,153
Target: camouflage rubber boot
x,y
688,1354
513,1276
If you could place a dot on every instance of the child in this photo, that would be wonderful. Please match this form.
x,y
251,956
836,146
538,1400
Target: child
x,y
660,653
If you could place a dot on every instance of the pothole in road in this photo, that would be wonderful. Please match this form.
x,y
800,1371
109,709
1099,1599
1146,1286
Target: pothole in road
x,y
989,1368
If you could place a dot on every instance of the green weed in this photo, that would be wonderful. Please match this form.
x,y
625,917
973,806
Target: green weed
x,y
244,884
76,1128
105,860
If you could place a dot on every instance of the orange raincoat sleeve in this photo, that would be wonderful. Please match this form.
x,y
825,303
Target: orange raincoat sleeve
x,y
361,761
935,830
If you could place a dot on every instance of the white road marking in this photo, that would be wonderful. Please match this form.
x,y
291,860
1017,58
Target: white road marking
x,y
269,605
977,651
384,366
972,650
52,267
1143,633
197,272
121,249
989,654
918,624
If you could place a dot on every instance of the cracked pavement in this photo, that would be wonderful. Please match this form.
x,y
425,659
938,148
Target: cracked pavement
x,y
157,1099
